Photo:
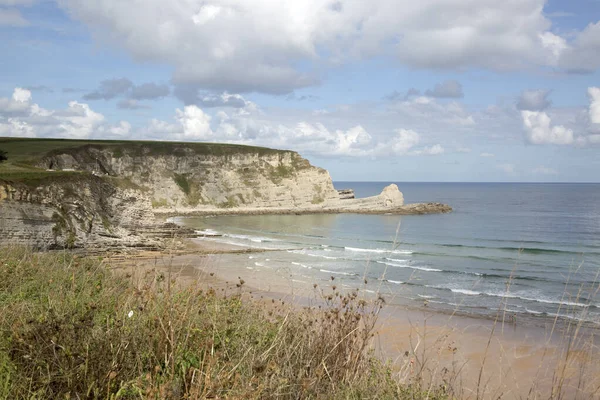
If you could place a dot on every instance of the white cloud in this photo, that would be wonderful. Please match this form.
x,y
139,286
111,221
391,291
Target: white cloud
x,y
555,44
79,120
19,116
17,104
404,140
240,46
594,93
195,123
487,155
540,131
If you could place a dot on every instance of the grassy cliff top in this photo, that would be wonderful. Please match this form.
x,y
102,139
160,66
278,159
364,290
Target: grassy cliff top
x,y
24,153
27,150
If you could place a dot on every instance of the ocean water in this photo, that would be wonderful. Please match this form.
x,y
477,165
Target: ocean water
x,y
530,249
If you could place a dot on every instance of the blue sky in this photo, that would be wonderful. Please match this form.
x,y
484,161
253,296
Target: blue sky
x,y
393,90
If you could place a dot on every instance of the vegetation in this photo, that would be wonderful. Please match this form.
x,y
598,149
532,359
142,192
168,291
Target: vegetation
x,y
28,150
182,181
3,156
71,329
277,174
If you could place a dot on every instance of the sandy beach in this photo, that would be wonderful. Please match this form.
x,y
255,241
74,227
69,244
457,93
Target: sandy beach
x,y
480,358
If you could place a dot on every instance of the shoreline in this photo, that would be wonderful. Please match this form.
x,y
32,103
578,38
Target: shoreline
x,y
521,353
407,209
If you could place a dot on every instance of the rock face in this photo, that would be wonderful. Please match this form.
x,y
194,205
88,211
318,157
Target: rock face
x,y
113,191
82,210
185,181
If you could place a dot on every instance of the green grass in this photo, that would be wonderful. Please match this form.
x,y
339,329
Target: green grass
x,y
28,150
71,329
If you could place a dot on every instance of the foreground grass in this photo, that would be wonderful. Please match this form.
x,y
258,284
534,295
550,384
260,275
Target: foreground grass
x,y
69,328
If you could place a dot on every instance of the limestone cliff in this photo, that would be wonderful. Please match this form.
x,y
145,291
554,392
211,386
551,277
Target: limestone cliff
x,y
73,211
97,193
184,179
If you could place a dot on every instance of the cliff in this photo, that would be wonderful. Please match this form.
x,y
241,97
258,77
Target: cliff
x,y
58,193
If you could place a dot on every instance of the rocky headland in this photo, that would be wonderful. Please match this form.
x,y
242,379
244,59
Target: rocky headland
x,y
59,193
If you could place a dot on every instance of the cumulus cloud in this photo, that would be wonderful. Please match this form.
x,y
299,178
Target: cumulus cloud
x,y
594,93
17,104
539,129
534,100
19,116
448,89
583,55
239,46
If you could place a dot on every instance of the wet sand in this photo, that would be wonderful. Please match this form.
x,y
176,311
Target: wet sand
x,y
503,358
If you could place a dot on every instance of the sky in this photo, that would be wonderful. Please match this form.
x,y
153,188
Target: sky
x,y
379,90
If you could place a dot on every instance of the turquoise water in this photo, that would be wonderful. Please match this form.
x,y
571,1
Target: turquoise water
x,y
532,249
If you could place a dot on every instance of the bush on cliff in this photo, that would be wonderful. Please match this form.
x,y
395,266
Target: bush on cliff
x,y
69,328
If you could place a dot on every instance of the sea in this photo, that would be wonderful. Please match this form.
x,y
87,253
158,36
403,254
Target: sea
x,y
524,249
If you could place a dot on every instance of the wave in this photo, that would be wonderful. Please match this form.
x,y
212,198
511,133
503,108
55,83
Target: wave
x,y
524,250
466,291
256,239
396,282
338,272
360,250
207,232
410,266
514,296
301,265
303,252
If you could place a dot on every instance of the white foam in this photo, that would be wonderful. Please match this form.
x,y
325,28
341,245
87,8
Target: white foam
x,y
426,297
304,252
300,265
255,239
396,282
410,266
361,250
466,291
207,232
